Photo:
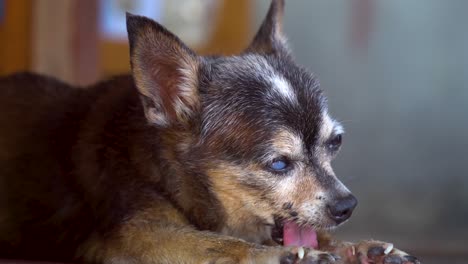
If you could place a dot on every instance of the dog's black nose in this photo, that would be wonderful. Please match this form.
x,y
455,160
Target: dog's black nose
x,y
342,208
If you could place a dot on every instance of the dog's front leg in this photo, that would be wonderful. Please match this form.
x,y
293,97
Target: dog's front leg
x,y
365,252
155,237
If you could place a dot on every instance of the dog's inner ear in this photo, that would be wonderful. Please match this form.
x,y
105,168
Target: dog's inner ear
x,y
270,38
165,72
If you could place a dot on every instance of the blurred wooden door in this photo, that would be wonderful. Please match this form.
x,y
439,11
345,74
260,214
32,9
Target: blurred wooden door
x,y
57,38
62,38
15,36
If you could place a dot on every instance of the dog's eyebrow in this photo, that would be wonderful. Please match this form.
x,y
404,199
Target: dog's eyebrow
x,y
287,143
329,127
338,128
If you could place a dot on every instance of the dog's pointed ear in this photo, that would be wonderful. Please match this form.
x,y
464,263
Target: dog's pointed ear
x,y
270,37
165,72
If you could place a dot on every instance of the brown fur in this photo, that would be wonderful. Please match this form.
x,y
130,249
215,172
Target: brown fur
x,y
126,171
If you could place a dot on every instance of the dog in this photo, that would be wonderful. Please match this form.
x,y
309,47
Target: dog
x,y
189,159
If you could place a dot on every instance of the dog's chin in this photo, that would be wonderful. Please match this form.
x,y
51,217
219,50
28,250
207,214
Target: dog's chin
x,y
278,230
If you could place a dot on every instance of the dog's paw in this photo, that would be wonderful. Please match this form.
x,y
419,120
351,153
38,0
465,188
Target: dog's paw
x,y
376,252
308,256
292,255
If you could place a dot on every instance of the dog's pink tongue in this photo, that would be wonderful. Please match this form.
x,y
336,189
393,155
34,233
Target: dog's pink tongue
x,y
294,235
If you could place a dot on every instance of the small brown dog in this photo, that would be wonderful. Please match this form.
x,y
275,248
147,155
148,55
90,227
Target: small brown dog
x,y
189,160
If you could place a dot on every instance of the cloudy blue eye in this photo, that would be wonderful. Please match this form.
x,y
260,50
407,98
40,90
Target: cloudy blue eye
x,y
280,165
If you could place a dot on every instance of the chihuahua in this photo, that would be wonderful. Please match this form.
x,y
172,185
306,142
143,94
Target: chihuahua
x,y
189,159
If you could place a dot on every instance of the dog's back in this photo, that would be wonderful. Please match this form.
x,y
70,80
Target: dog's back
x,y
39,118
30,105
42,122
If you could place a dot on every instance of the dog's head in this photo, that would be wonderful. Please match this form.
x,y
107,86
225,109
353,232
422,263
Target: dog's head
x,y
259,128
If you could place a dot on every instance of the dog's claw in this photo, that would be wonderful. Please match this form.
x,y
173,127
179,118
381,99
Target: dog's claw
x,y
388,249
300,253
376,252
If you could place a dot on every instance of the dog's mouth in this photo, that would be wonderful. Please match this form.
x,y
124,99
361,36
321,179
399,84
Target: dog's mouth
x,y
290,233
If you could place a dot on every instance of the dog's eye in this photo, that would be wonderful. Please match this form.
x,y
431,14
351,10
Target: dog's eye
x,y
280,165
335,142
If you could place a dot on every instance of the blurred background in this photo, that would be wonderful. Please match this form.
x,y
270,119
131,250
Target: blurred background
x,y
395,72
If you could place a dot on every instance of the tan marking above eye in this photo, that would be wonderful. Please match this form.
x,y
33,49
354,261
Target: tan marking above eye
x,y
288,144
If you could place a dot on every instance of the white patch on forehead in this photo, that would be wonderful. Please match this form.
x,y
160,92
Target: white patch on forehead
x,y
282,87
329,126
261,69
